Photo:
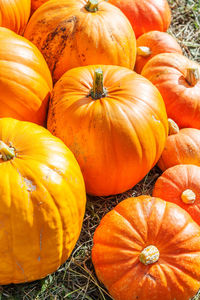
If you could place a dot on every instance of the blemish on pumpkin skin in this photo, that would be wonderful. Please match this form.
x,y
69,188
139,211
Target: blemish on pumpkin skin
x,y
30,186
154,118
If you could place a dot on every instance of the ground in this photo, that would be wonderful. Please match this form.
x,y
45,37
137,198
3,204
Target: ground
x,y
76,278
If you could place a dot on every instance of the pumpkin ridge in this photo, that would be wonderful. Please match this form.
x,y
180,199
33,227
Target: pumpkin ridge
x,y
180,270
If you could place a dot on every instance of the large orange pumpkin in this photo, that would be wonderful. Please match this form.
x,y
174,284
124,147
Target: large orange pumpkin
x,y
181,185
42,197
14,14
73,33
145,15
147,248
152,43
115,124
25,80
178,80
182,147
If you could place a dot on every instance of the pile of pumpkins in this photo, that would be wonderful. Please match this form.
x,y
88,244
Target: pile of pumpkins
x,y
68,65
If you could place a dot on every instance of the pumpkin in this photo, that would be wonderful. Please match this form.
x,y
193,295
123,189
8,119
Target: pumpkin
x,y
145,15
14,14
42,198
182,147
25,80
152,43
180,184
113,120
73,33
178,80
147,248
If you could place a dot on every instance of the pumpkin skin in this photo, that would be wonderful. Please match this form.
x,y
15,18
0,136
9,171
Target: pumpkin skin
x,y
181,148
35,4
145,15
25,80
130,227
171,185
43,199
167,71
14,14
155,42
116,139
69,36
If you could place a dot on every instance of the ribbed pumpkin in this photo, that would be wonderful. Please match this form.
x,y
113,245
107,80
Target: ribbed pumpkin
x,y
73,33
182,147
152,43
42,197
178,80
147,248
181,185
145,15
14,14
115,124
25,80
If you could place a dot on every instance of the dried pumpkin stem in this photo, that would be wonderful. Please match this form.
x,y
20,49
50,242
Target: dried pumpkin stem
x,y
98,91
192,76
6,152
92,5
173,127
143,51
188,196
149,255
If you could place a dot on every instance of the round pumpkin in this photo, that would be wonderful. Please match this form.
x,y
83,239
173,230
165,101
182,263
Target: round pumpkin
x,y
25,79
147,248
181,185
152,43
73,33
178,80
182,147
42,198
145,15
14,14
115,123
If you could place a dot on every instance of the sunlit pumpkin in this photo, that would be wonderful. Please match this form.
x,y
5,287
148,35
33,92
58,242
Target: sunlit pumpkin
x,y
42,198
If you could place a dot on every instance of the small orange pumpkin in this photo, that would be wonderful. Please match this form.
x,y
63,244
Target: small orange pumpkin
x,y
178,80
73,33
181,185
182,147
115,123
25,80
42,198
147,248
152,43
15,14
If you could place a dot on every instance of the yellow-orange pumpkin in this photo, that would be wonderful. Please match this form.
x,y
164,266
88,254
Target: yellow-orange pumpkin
x,y
42,197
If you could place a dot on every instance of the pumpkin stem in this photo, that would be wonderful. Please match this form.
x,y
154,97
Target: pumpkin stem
x,y
192,76
92,5
143,51
188,196
98,91
173,127
149,255
6,152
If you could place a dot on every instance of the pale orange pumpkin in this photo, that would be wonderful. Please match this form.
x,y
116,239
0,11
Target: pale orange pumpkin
x,y
115,123
42,198
25,79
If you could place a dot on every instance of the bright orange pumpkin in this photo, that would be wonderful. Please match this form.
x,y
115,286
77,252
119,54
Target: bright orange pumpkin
x,y
145,15
181,185
14,14
42,198
182,147
178,80
73,33
115,124
147,248
25,80
152,43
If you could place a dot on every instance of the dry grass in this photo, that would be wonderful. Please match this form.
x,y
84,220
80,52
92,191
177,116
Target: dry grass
x,y
76,278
